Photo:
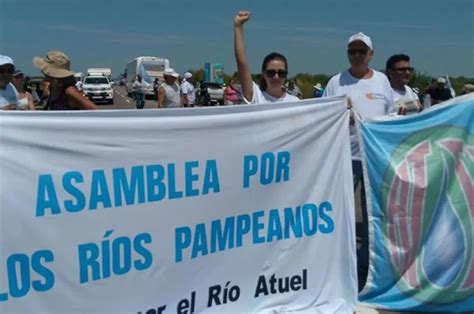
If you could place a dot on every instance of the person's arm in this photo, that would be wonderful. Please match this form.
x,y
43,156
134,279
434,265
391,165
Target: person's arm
x,y
184,95
79,101
31,102
185,100
243,69
161,97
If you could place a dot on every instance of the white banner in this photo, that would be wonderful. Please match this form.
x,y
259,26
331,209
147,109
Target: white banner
x,y
233,209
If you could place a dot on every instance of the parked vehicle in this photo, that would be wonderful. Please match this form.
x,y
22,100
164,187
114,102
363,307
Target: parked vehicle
x,y
148,68
210,94
98,88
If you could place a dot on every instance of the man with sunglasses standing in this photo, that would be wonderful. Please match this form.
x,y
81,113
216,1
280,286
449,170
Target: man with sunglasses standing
x,y
370,95
399,71
8,93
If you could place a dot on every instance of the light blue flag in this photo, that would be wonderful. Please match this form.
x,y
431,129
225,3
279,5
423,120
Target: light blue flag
x,y
420,197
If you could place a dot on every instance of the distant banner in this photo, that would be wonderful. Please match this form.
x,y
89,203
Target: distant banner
x,y
231,209
421,190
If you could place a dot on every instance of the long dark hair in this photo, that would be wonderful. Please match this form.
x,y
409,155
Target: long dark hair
x,y
57,87
270,57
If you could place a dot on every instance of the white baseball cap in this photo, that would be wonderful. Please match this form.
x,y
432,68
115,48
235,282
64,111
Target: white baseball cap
x,y
188,75
171,72
6,60
361,37
441,80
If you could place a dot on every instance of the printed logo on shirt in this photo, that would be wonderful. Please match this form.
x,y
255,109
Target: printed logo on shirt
x,y
373,96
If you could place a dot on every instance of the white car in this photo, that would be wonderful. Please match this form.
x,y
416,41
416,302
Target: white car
x,y
98,88
210,94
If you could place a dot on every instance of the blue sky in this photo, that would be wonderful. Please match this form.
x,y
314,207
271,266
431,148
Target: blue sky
x,y
312,34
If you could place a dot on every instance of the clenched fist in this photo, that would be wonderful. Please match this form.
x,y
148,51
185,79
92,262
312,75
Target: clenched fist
x,y
241,18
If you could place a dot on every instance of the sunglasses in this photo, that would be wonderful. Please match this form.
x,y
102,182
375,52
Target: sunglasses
x,y
281,73
5,70
409,69
361,52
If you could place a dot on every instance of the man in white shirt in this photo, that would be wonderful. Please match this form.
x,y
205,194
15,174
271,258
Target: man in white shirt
x,y
8,92
399,71
169,93
187,90
370,95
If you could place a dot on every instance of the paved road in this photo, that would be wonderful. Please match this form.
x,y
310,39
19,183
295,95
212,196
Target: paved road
x,y
122,101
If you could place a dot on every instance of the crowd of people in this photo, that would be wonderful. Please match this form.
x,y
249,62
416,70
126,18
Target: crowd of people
x,y
370,93
391,88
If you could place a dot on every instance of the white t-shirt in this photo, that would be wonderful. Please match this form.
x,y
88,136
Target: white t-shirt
x,y
8,96
260,97
371,98
188,90
407,97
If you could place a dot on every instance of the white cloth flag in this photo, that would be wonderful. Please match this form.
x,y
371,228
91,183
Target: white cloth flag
x,y
234,209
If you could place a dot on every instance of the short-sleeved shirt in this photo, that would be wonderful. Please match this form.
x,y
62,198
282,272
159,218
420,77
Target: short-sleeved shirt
x,y
8,96
371,98
262,97
138,87
406,97
188,90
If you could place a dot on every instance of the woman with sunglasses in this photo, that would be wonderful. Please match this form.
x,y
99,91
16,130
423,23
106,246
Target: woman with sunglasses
x,y
274,70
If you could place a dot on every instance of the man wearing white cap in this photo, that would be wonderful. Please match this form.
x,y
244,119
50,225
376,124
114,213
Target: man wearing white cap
x,y
187,90
169,93
370,95
8,93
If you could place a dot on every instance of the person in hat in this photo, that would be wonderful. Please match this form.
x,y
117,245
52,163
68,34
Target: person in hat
x,y
274,70
318,90
63,94
398,71
188,91
25,99
467,88
370,95
440,92
8,92
169,93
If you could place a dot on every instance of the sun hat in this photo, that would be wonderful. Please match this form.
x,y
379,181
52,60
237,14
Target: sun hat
x,y
6,60
56,64
170,72
317,86
361,37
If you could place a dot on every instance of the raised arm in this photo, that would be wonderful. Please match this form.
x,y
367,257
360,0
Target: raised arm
x,y
243,69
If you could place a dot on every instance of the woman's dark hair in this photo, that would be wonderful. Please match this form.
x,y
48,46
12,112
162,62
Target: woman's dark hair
x,y
58,86
270,57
